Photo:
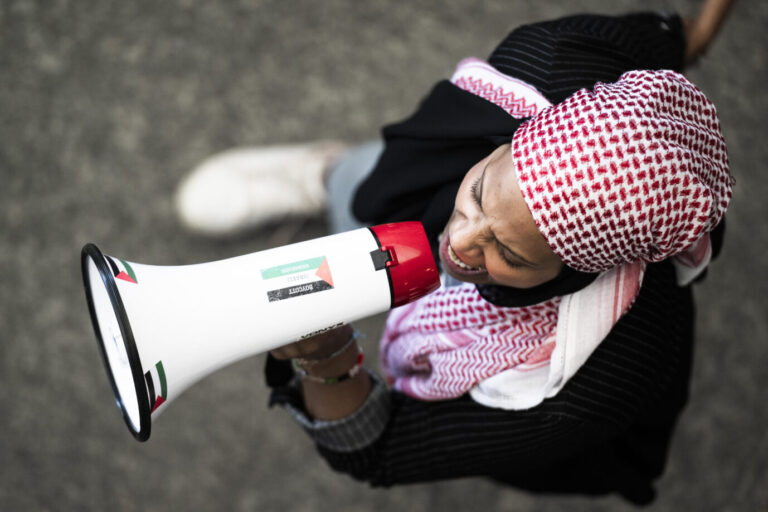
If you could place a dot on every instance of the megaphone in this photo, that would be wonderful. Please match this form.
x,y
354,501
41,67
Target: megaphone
x,y
163,328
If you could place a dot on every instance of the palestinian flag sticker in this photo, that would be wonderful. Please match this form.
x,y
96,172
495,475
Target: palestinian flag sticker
x,y
121,270
298,278
158,394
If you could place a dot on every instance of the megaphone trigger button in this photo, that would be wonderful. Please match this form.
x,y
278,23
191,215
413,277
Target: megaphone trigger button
x,y
392,256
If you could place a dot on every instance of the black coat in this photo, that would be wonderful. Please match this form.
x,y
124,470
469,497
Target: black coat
x,y
609,428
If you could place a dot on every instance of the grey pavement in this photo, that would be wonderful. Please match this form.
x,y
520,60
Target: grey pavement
x,y
105,105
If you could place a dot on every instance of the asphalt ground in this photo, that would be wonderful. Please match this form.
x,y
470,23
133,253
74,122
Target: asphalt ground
x,y
105,105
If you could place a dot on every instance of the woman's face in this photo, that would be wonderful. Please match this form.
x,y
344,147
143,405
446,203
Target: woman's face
x,y
491,237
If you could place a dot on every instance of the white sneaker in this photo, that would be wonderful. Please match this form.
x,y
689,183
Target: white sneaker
x,y
245,188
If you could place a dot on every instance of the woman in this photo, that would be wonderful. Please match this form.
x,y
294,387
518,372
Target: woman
x,y
569,217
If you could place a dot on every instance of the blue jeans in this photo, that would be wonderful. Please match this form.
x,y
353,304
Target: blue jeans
x,y
343,179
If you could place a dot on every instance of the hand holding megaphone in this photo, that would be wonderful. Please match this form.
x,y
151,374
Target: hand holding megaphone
x,y
162,328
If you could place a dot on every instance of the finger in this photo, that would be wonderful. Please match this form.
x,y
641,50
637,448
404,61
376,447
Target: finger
x,y
297,349
285,352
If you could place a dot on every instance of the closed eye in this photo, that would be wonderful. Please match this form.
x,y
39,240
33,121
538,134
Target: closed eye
x,y
509,262
474,190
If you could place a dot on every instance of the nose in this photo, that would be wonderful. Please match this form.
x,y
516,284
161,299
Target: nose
x,y
467,242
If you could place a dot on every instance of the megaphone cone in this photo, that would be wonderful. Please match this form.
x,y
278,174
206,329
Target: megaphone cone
x,y
163,328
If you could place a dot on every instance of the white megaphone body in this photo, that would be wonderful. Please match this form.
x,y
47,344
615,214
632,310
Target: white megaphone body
x,y
162,328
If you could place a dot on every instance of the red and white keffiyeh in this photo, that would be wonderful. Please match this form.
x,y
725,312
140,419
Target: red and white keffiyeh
x,y
517,98
634,170
453,341
615,177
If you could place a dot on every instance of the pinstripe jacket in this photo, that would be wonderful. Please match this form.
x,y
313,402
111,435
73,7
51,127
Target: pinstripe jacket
x,y
608,430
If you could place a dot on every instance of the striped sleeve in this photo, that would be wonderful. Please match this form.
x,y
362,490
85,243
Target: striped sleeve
x,y
354,432
562,56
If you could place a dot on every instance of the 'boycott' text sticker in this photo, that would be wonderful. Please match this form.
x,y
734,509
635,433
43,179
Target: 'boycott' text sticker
x,y
298,278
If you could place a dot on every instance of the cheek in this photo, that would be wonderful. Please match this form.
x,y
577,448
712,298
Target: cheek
x,y
518,277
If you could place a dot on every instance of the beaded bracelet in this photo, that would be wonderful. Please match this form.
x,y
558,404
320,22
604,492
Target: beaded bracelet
x,y
332,380
309,363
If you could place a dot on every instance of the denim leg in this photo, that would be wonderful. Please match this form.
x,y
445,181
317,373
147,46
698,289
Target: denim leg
x,y
342,183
